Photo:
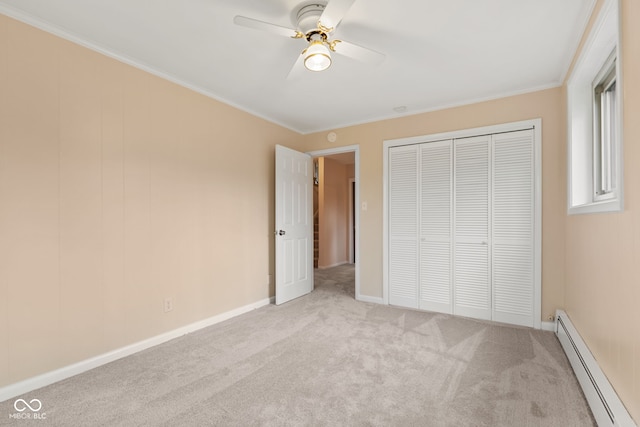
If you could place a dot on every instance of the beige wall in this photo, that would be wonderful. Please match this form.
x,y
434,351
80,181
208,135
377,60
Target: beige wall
x,y
118,189
333,213
544,104
603,250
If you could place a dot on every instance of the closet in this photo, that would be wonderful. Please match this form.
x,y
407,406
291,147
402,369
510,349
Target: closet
x,y
461,224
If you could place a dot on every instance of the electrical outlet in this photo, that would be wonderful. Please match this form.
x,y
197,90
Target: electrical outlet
x,y
168,305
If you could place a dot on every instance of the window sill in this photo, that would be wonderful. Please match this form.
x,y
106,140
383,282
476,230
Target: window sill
x,y
604,206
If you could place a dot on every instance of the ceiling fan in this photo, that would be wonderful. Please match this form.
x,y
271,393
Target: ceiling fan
x,y
315,23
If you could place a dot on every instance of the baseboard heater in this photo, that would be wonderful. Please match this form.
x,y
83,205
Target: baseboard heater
x,y
606,406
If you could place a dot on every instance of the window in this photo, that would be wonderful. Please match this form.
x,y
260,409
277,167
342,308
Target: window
x,y
594,120
605,114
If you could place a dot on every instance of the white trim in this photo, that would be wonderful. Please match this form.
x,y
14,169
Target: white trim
x,y
548,326
373,300
51,377
337,264
536,124
356,150
385,218
463,133
602,206
471,101
74,38
537,236
605,37
352,257
337,150
575,43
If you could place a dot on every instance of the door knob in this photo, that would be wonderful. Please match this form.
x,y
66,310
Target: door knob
x,y
282,232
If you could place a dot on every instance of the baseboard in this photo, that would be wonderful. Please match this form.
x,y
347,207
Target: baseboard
x,y
548,326
48,378
367,298
337,264
606,406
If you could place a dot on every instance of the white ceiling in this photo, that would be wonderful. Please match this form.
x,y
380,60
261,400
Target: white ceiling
x,y
439,53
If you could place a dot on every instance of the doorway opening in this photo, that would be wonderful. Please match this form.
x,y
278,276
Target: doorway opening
x,y
335,217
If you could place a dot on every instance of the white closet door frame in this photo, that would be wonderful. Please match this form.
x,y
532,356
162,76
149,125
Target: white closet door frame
x,y
536,125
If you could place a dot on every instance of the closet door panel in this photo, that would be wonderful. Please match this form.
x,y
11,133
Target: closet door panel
x,y
513,227
435,226
403,226
472,284
472,274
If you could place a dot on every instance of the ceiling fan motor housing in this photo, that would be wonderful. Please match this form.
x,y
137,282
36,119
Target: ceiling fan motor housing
x,y
308,17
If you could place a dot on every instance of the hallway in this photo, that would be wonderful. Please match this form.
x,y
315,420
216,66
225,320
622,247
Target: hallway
x,y
342,277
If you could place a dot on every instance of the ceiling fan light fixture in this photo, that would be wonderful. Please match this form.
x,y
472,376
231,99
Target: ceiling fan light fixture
x,y
317,56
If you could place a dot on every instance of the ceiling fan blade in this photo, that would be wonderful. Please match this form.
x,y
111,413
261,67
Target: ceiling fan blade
x,y
297,69
358,53
334,12
265,26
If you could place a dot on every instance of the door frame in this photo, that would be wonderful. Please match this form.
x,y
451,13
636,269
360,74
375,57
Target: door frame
x,y
356,150
352,212
536,125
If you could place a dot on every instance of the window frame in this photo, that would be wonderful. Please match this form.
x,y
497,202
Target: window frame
x,y
601,50
605,113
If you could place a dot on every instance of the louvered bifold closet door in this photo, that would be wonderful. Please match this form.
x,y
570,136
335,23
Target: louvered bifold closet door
x,y
435,226
513,227
472,286
403,226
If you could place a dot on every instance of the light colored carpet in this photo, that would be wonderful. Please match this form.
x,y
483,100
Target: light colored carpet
x,y
326,359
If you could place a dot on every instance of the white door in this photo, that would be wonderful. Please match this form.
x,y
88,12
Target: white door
x,y
513,228
472,275
403,226
294,224
436,161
